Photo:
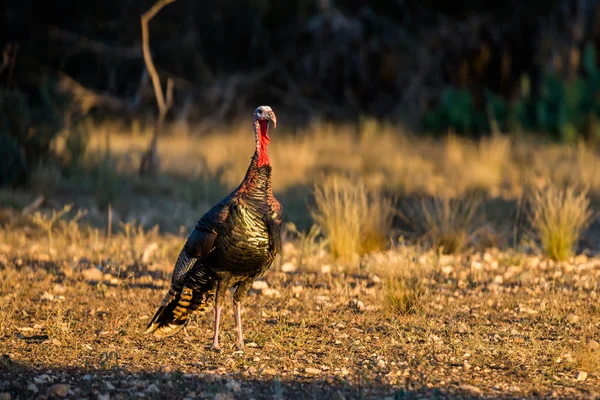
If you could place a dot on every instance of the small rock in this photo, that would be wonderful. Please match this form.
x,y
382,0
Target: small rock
x,y
153,389
357,305
47,296
32,387
288,267
297,289
92,274
59,289
40,380
499,279
259,285
312,371
573,319
381,363
223,396
233,386
338,396
344,372
447,269
470,388
326,269
58,390
582,376
109,385
269,292
593,345
374,279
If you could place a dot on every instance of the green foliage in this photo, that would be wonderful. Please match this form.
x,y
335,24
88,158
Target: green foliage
x,y
28,124
566,109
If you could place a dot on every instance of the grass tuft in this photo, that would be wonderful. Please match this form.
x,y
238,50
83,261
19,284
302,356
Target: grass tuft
x,y
559,216
448,224
354,219
404,281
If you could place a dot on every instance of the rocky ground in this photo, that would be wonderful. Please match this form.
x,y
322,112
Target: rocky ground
x,y
492,324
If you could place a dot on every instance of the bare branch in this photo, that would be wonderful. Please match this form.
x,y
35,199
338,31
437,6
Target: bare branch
x,y
145,18
149,163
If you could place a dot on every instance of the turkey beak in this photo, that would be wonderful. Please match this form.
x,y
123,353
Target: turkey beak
x,y
273,118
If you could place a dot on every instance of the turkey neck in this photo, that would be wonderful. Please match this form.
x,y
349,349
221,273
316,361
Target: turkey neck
x,y
257,181
261,135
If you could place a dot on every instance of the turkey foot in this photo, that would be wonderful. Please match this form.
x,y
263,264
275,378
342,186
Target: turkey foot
x,y
237,311
215,345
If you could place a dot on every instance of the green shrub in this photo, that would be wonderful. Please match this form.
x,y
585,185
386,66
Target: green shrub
x,y
566,109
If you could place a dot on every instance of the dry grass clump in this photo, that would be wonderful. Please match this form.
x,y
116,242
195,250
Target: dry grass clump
x,y
355,220
404,280
559,217
448,224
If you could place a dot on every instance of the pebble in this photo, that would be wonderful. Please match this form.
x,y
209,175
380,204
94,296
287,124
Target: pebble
x,y
338,396
259,285
234,386
357,304
32,387
470,388
153,389
288,267
582,376
269,292
593,345
326,269
92,274
312,371
58,390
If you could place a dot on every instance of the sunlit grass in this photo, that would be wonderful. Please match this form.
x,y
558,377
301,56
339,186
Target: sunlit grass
x,y
354,219
559,217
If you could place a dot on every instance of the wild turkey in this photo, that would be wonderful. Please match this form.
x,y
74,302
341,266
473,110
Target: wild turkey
x,y
235,242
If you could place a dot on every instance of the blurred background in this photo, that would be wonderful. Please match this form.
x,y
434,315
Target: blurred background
x,y
431,65
413,97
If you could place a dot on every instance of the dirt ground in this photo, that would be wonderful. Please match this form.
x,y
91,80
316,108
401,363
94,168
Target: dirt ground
x,y
484,325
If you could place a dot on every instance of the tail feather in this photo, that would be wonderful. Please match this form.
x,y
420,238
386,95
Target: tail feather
x,y
175,310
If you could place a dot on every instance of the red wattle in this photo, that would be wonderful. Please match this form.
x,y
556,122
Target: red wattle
x,y
263,142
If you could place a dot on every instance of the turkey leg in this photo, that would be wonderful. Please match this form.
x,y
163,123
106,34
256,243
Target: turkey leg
x,y
238,296
237,311
218,308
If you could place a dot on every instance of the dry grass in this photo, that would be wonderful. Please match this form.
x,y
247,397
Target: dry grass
x,y
404,280
447,224
355,220
559,216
